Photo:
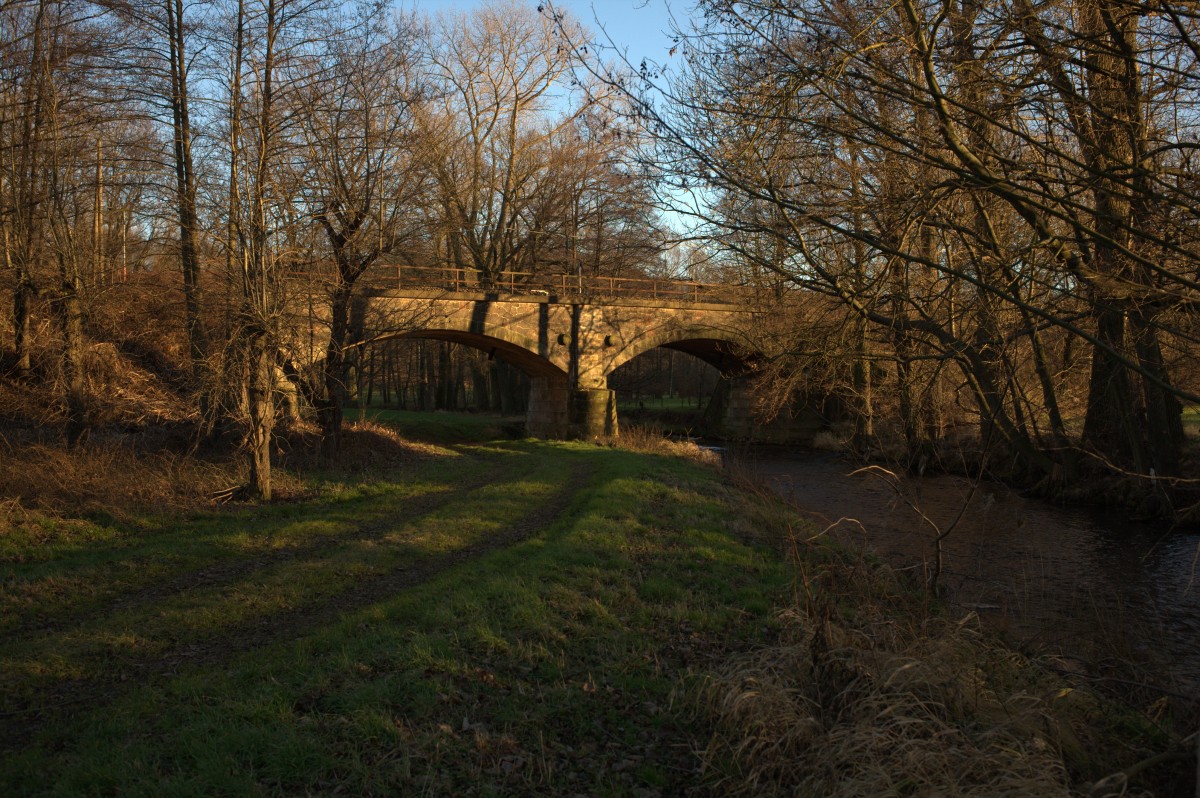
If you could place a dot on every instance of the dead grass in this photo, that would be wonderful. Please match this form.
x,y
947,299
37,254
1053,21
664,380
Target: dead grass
x,y
649,440
130,380
155,469
838,438
110,477
366,445
867,692
118,475
123,391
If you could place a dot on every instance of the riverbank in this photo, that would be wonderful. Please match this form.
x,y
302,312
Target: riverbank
x,y
491,616
1081,478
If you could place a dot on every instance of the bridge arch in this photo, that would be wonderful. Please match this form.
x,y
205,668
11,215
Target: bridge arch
x,y
569,344
505,345
721,349
548,411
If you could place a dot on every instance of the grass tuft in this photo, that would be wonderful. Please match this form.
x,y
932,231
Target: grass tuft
x,y
870,691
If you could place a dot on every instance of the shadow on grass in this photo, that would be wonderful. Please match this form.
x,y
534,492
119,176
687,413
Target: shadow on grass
x,y
545,661
444,427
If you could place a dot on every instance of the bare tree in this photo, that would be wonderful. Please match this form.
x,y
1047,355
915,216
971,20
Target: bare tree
x,y
159,69
59,124
498,74
990,183
272,42
28,66
360,177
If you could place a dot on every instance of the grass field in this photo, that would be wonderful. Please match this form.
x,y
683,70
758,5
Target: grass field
x,y
679,403
498,618
453,611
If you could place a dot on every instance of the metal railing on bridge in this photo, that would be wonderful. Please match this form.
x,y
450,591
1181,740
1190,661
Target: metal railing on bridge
x,y
459,280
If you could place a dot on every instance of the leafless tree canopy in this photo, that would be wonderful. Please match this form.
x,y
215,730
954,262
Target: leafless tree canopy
x,y
259,160
1000,196
983,215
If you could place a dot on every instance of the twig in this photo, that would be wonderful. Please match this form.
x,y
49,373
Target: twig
x,y
226,494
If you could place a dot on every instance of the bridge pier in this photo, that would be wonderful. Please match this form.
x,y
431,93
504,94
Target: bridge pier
x,y
548,415
735,409
556,412
594,413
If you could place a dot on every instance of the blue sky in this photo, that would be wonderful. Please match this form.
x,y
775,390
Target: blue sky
x,y
641,27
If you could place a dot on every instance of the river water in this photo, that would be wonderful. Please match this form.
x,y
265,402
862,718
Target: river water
x,y
1082,582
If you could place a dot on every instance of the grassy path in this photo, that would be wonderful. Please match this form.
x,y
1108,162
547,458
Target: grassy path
x,y
116,585
515,619
343,571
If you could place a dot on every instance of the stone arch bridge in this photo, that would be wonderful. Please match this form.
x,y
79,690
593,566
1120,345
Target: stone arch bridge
x,y
569,334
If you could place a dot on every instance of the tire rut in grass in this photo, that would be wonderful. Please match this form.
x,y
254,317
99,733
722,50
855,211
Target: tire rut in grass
x,y
295,623
230,570
19,723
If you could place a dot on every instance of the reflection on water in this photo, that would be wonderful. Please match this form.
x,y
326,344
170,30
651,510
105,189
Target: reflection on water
x,y
1081,580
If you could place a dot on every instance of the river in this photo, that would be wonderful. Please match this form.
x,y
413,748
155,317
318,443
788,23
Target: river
x,y
1081,582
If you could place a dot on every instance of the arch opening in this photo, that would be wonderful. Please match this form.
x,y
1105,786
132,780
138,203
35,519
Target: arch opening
x,y
446,369
670,387
724,356
518,354
724,350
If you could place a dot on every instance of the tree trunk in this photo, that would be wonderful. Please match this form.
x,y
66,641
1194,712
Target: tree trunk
x,y
185,188
1111,425
864,415
27,191
262,414
1164,413
336,372
1139,429
70,311
23,296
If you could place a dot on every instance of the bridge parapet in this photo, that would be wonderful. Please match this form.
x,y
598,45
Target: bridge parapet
x,y
564,287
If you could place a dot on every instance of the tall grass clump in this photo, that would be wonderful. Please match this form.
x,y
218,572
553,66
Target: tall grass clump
x,y
650,440
869,690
